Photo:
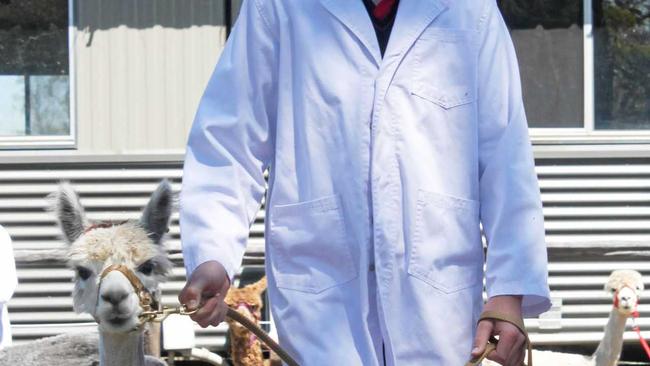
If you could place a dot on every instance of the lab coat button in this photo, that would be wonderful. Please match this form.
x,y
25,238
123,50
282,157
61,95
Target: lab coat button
x,y
371,268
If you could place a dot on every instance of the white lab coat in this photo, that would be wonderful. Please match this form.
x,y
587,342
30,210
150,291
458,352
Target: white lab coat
x,y
8,282
380,170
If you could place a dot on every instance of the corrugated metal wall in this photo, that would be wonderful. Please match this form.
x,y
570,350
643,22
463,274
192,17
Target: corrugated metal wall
x,y
141,67
592,207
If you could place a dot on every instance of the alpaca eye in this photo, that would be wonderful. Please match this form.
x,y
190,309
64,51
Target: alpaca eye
x,y
146,268
83,273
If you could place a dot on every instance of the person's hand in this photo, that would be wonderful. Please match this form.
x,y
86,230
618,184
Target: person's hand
x,y
206,288
512,343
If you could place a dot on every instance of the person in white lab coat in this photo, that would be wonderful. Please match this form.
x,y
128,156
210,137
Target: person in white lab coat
x,y
8,282
384,158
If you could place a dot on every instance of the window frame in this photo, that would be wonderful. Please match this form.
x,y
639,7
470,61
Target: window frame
x,y
54,142
588,134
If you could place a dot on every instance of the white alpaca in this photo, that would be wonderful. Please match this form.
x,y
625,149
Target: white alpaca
x,y
625,287
112,301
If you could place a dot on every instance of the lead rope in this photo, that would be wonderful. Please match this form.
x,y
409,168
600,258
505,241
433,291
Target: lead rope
x,y
637,329
160,315
642,340
262,335
492,343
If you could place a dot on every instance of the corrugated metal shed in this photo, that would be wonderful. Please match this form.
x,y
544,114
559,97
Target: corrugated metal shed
x,y
592,207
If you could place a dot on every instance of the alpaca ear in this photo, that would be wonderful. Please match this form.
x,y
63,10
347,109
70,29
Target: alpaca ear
x,y
259,286
155,217
65,205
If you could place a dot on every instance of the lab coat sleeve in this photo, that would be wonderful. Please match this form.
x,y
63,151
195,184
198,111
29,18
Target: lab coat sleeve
x,y
511,209
8,277
230,145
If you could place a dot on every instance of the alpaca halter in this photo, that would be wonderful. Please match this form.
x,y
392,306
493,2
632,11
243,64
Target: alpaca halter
x,y
248,307
151,310
634,316
103,225
252,338
616,302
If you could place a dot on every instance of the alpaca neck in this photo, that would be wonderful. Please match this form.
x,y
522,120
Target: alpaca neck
x,y
245,353
609,348
120,349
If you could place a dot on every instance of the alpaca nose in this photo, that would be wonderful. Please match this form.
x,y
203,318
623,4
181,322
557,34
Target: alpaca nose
x,y
114,297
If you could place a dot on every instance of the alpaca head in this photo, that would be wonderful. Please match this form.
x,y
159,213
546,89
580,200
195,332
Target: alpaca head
x,y
137,245
248,302
626,287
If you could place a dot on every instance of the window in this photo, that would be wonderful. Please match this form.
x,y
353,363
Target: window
x,y
584,64
34,74
622,64
549,42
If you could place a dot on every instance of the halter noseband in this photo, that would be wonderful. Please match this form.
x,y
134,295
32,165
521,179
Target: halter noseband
x,y
616,302
145,297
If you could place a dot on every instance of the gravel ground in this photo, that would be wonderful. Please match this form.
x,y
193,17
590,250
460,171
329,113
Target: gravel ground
x,y
78,349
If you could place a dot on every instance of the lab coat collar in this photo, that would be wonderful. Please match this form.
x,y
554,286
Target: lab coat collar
x,y
354,16
412,17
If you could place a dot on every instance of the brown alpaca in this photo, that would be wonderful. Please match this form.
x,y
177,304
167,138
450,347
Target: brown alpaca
x,y
245,348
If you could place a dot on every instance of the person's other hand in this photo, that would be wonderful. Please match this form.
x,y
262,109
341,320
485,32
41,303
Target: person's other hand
x,y
206,288
512,343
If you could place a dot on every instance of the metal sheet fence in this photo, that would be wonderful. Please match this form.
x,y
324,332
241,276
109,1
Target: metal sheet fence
x,y
597,216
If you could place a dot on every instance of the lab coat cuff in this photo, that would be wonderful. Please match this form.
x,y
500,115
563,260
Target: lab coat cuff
x,y
536,299
193,260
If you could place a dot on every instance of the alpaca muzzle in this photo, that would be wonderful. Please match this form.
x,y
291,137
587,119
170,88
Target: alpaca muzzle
x,y
151,309
628,304
145,298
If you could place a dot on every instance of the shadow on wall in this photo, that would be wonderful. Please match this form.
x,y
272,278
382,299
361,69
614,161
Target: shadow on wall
x,y
34,33
102,15
92,15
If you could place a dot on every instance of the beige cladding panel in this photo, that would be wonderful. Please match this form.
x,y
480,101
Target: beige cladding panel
x,y
141,67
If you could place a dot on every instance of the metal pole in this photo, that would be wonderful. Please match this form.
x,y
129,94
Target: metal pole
x,y
28,118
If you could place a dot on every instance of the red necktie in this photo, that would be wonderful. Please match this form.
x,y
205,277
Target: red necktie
x,y
383,9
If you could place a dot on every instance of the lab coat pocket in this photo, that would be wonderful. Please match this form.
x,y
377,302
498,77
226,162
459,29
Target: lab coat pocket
x,y
309,246
446,250
445,67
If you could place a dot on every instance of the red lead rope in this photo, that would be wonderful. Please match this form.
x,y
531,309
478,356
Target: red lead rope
x,y
636,328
